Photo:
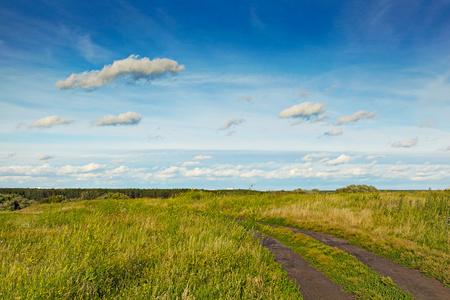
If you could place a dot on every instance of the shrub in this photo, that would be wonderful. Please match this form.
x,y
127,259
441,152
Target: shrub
x,y
14,202
54,199
113,196
360,188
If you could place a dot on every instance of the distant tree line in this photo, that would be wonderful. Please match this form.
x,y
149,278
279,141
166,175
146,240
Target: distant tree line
x,y
18,198
89,194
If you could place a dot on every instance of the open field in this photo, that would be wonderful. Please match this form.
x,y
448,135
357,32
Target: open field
x,y
189,247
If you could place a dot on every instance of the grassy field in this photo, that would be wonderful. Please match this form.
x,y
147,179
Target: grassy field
x,y
188,247
114,249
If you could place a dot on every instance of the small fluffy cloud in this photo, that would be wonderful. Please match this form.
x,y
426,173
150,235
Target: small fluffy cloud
x,y
429,123
244,98
320,118
311,156
202,157
129,118
143,68
372,157
360,115
303,110
342,159
231,122
49,122
333,132
45,156
405,144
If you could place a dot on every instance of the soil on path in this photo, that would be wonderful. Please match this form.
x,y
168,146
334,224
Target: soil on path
x,y
312,283
410,280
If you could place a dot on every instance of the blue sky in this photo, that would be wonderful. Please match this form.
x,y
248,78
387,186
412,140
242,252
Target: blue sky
x,y
225,94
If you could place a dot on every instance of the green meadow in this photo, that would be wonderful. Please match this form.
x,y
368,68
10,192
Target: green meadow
x,y
188,246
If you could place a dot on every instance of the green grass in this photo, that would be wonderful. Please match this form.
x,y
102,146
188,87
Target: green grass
x,y
131,250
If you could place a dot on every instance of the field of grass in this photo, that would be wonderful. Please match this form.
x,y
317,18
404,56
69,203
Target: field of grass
x,y
114,249
188,246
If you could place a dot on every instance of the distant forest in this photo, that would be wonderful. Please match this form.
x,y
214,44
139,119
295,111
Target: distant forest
x,y
89,194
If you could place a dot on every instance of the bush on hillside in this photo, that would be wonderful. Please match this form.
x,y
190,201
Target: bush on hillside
x,y
306,192
14,202
360,188
113,196
54,199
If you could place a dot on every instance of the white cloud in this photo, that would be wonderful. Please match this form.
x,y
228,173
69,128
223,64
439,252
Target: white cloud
x,y
429,123
45,156
129,118
303,110
198,172
342,159
81,169
244,98
360,115
372,157
49,122
143,68
333,132
19,125
168,172
448,148
320,118
310,157
202,157
231,122
26,170
405,144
